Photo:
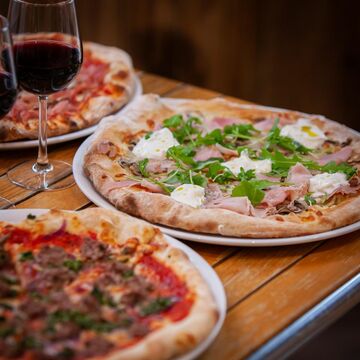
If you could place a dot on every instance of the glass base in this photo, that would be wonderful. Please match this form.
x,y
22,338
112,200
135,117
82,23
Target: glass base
x,y
32,177
6,204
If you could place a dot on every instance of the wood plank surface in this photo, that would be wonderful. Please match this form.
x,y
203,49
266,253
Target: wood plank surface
x,y
266,288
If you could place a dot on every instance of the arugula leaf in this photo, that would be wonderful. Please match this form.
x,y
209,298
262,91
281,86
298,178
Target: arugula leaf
x,y
251,152
185,177
211,138
275,138
181,129
332,167
240,131
246,175
251,190
102,298
174,122
281,164
309,199
204,164
182,155
142,167
148,135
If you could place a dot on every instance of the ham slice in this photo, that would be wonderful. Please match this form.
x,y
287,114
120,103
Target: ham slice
x,y
220,123
299,175
241,205
159,166
152,187
339,156
278,195
267,124
224,150
206,153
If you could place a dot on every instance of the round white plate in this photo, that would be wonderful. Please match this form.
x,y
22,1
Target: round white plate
x,y
24,144
88,189
206,271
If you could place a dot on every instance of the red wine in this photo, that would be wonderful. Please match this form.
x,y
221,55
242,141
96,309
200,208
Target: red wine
x,y
8,93
45,66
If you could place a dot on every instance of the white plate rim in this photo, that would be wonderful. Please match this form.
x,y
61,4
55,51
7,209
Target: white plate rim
x,y
26,144
204,268
87,188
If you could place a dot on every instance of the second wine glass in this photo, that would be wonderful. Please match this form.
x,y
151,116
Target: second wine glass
x,y
48,55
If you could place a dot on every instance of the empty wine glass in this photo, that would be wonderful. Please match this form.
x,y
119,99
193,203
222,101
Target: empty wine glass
x,y
47,55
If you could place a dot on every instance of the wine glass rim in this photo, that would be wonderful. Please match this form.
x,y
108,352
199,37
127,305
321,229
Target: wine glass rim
x,y
60,2
4,24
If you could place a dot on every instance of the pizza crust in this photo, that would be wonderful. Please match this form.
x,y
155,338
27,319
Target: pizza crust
x,y
145,115
176,338
121,78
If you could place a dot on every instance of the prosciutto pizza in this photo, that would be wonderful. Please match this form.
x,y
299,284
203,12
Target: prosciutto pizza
x,y
104,84
214,166
97,285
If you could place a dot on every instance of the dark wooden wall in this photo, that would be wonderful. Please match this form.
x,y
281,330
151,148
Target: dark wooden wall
x,y
298,54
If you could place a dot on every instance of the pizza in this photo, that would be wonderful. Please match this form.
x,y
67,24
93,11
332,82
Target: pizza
x,y
214,166
104,84
97,284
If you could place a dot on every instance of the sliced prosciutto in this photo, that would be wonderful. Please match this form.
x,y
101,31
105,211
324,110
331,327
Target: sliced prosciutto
x,y
299,175
207,152
241,205
226,151
278,195
220,123
160,166
339,156
152,187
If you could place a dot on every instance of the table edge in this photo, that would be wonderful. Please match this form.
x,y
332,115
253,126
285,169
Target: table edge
x,y
311,323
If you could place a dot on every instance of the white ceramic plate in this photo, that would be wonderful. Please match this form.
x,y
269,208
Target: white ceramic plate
x,y
207,272
24,144
87,188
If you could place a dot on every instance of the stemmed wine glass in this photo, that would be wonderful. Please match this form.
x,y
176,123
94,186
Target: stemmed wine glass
x,y
8,82
47,55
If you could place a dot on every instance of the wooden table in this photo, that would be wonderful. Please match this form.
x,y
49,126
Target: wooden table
x,y
277,297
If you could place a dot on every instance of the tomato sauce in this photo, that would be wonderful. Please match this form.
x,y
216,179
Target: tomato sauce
x,y
172,286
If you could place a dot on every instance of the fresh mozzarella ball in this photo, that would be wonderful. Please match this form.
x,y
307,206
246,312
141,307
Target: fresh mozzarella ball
x,y
305,133
325,183
260,166
156,146
189,194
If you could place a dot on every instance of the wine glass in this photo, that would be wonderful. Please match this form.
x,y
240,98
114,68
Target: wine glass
x,y
8,82
48,55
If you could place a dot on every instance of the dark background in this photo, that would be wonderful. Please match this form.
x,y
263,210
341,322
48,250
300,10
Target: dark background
x,y
302,55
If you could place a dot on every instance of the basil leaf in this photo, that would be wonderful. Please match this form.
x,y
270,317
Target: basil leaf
x,y
156,306
25,256
251,190
142,167
74,265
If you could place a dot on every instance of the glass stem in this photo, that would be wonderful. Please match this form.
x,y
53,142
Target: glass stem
x,y
42,163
